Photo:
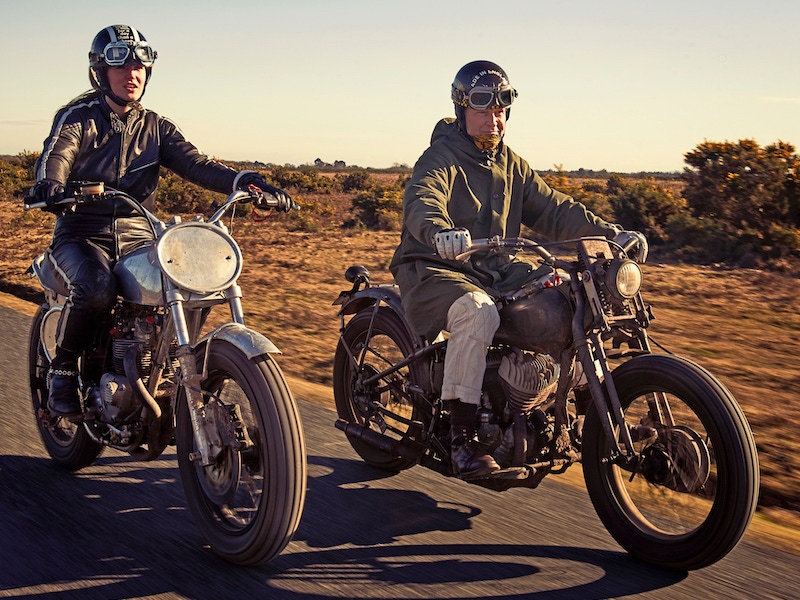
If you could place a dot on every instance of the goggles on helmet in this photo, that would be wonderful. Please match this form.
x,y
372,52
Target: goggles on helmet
x,y
116,54
481,98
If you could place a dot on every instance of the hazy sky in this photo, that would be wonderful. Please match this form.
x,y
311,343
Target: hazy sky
x,y
620,85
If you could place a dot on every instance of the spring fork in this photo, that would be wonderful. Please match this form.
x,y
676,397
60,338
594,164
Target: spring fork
x,y
205,430
608,404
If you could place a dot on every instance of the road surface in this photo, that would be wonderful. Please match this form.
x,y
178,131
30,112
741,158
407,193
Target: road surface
x,y
121,529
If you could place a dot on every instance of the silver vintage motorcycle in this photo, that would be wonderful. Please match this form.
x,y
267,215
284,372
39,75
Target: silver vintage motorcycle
x,y
152,380
668,457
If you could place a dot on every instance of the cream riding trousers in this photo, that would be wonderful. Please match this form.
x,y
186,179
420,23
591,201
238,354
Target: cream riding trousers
x,y
472,322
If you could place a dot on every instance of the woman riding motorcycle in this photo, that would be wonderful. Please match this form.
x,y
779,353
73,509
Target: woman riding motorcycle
x,y
106,135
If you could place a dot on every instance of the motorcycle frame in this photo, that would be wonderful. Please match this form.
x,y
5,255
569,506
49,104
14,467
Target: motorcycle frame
x,y
184,315
587,345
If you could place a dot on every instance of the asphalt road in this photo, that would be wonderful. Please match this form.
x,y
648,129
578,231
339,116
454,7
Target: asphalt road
x,y
120,529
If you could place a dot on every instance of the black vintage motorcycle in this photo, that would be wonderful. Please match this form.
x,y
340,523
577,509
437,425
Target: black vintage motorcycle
x,y
668,458
152,380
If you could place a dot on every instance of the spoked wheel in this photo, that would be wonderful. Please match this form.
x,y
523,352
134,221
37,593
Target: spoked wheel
x,y
691,496
67,443
249,501
375,346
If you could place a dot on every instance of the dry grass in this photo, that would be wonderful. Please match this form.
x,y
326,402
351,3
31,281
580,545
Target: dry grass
x,y
742,325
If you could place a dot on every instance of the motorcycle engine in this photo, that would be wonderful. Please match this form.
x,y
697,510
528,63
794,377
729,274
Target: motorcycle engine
x,y
117,398
114,399
527,378
517,382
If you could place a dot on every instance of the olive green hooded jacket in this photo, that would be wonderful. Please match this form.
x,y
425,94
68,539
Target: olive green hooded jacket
x,y
454,184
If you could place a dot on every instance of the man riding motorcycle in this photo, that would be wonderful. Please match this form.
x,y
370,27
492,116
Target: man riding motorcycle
x,y
469,183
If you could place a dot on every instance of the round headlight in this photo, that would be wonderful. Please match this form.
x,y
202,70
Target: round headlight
x,y
624,279
199,257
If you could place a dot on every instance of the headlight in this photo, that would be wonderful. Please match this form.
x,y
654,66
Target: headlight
x,y
624,279
199,257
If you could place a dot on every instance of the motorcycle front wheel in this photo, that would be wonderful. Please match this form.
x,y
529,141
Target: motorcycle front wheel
x,y
370,345
248,502
68,444
693,491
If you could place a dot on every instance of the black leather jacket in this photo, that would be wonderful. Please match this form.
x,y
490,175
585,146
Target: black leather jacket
x,y
89,142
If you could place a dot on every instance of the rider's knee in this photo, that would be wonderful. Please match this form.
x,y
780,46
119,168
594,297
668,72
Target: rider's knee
x,y
95,289
474,311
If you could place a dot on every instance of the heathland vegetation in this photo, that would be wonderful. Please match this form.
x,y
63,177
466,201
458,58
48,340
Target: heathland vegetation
x,y
734,203
722,276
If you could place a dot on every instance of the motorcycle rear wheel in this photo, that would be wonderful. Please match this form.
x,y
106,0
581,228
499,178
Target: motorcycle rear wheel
x,y
694,492
248,503
68,444
388,343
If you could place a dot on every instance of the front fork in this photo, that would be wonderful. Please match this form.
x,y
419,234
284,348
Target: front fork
x,y
204,419
591,353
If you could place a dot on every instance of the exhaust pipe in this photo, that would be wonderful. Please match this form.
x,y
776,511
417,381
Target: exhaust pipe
x,y
378,440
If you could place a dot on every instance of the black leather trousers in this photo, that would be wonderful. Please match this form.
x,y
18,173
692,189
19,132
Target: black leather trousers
x,y
83,252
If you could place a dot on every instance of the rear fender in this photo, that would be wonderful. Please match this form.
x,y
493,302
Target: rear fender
x,y
386,295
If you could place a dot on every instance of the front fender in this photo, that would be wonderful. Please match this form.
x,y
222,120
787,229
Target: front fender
x,y
248,341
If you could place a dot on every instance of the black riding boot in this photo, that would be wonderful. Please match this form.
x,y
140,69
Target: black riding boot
x,y
470,459
63,399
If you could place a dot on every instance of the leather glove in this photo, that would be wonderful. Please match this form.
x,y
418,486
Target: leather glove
x,y
452,242
49,192
282,201
634,243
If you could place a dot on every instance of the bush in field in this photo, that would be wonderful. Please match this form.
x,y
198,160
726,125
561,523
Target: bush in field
x,y
705,240
643,206
177,196
355,181
751,193
739,202
589,193
16,173
379,208
305,179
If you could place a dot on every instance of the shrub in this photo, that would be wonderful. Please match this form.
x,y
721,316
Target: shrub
x,y
305,179
705,240
589,193
16,173
380,208
177,196
357,180
643,206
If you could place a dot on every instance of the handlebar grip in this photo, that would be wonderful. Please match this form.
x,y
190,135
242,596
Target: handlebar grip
x,y
41,204
74,190
27,205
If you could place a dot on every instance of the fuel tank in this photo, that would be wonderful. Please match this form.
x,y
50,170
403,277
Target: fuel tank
x,y
541,322
139,277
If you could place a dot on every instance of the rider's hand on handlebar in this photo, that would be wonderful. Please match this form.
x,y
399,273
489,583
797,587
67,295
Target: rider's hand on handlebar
x,y
452,242
49,192
280,200
634,243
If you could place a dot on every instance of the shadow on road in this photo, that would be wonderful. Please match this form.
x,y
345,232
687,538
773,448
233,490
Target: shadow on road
x,y
121,529
352,512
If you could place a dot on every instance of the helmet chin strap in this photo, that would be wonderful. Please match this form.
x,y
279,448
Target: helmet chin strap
x,y
100,83
119,101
